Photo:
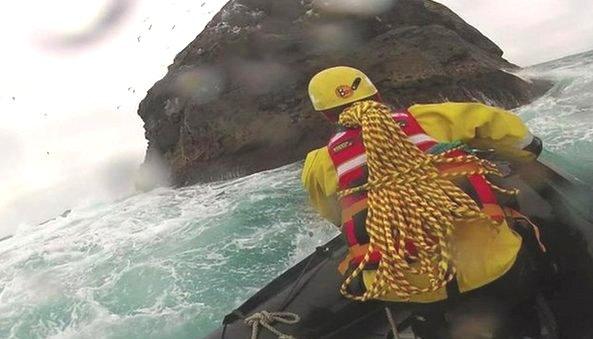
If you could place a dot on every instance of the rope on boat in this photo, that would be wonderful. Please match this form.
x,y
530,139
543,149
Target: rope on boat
x,y
265,319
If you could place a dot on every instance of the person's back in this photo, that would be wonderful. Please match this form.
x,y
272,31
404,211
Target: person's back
x,y
420,217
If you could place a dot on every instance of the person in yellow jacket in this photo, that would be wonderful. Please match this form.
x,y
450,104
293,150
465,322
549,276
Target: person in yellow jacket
x,y
414,252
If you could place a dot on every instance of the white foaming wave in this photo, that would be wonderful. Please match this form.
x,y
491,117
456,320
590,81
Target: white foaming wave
x,y
305,243
107,325
181,242
564,116
571,67
58,246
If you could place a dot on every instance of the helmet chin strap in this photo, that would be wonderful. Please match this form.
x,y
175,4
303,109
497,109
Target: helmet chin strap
x,y
377,97
331,115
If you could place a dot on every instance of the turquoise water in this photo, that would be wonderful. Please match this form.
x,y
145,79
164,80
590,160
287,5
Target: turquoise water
x,y
170,263
563,117
167,264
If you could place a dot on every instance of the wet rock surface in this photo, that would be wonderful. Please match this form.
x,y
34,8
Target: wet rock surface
x,y
235,99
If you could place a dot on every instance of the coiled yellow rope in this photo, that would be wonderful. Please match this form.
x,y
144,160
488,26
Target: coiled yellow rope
x,y
408,200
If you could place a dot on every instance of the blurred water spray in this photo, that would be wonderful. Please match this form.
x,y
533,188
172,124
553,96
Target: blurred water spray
x,y
151,174
115,176
111,14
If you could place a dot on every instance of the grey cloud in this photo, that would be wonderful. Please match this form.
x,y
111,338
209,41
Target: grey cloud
x,y
568,30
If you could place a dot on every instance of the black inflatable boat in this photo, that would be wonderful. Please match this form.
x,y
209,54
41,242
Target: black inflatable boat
x,y
559,204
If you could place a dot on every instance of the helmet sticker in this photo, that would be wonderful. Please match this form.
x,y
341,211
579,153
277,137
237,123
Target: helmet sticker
x,y
344,91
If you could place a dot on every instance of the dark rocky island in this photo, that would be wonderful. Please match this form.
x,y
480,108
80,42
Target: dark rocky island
x,y
235,99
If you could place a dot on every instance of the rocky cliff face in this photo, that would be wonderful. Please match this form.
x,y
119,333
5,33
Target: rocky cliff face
x,y
235,99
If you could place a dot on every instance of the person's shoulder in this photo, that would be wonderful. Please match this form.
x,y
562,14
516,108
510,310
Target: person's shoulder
x,y
315,162
316,153
426,107
451,107
446,103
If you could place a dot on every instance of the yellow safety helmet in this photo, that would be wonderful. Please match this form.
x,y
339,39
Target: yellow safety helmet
x,y
338,86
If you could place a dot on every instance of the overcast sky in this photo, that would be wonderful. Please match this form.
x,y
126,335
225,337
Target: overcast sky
x,y
73,73
70,86
531,31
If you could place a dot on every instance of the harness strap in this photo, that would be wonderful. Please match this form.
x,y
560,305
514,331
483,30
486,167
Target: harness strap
x,y
351,210
536,232
494,211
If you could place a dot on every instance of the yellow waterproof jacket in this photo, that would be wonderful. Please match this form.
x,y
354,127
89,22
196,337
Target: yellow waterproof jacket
x,y
483,253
